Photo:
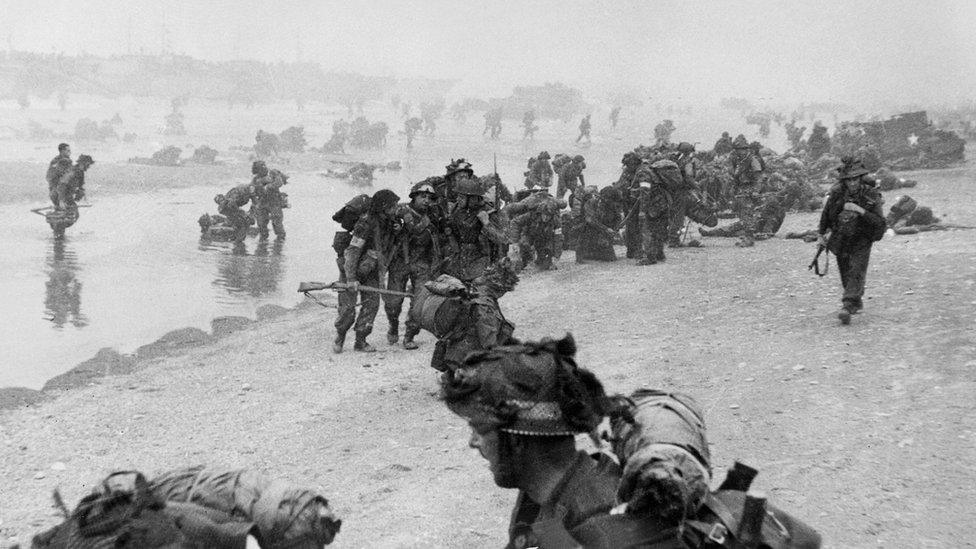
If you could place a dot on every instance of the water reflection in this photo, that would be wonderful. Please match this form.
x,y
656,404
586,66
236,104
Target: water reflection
x,y
62,296
256,274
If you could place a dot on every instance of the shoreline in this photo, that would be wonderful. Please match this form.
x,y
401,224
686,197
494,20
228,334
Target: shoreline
x,y
110,362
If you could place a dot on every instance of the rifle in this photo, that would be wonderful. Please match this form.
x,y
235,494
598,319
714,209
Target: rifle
x,y
497,179
44,209
815,266
305,287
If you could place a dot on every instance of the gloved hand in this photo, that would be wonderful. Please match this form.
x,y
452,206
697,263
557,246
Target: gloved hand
x,y
483,217
822,240
352,286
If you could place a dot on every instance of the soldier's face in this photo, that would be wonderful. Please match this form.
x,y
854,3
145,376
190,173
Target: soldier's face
x,y
66,153
488,444
422,200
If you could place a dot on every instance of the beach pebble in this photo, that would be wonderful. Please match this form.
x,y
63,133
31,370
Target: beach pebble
x,y
58,466
39,475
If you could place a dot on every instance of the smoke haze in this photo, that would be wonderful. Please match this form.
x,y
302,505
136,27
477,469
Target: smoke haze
x,y
861,52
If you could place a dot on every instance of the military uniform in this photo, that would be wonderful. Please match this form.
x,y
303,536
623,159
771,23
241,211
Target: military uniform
x,y
625,185
230,206
416,252
269,202
473,245
364,259
852,234
682,198
653,210
584,128
570,176
540,172
599,219
537,232
724,145
747,168
56,169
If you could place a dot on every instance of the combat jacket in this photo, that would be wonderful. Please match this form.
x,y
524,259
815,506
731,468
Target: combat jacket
x,y
58,166
654,199
368,251
540,173
532,228
268,190
747,167
238,197
418,242
586,493
484,326
851,231
570,175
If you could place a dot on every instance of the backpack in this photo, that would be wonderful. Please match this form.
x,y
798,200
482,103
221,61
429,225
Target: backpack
x,y
349,214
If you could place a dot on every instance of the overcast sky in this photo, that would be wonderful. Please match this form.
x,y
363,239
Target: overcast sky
x,y
850,50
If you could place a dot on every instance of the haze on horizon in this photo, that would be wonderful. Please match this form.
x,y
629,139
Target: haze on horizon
x,y
861,52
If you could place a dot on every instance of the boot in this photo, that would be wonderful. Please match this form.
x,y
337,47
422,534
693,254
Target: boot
x,y
340,340
647,261
362,346
844,315
408,342
393,334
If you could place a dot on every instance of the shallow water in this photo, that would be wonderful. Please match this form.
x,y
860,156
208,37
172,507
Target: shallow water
x,y
134,267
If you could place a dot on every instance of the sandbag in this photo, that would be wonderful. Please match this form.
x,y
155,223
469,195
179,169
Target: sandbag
x,y
284,514
124,513
663,448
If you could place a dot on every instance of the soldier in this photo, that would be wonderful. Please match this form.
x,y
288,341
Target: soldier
x,y
445,187
724,145
631,161
365,260
682,198
662,132
854,219
540,172
269,200
571,175
537,233
599,220
231,205
614,117
58,166
528,124
524,405
584,128
818,143
653,209
410,128
481,324
747,167
475,236
416,253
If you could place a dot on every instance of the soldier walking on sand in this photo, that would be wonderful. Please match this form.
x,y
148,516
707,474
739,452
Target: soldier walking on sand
x,y
365,259
852,220
416,253
584,128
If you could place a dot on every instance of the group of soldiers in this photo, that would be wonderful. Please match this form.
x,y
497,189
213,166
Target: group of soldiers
x,y
66,186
